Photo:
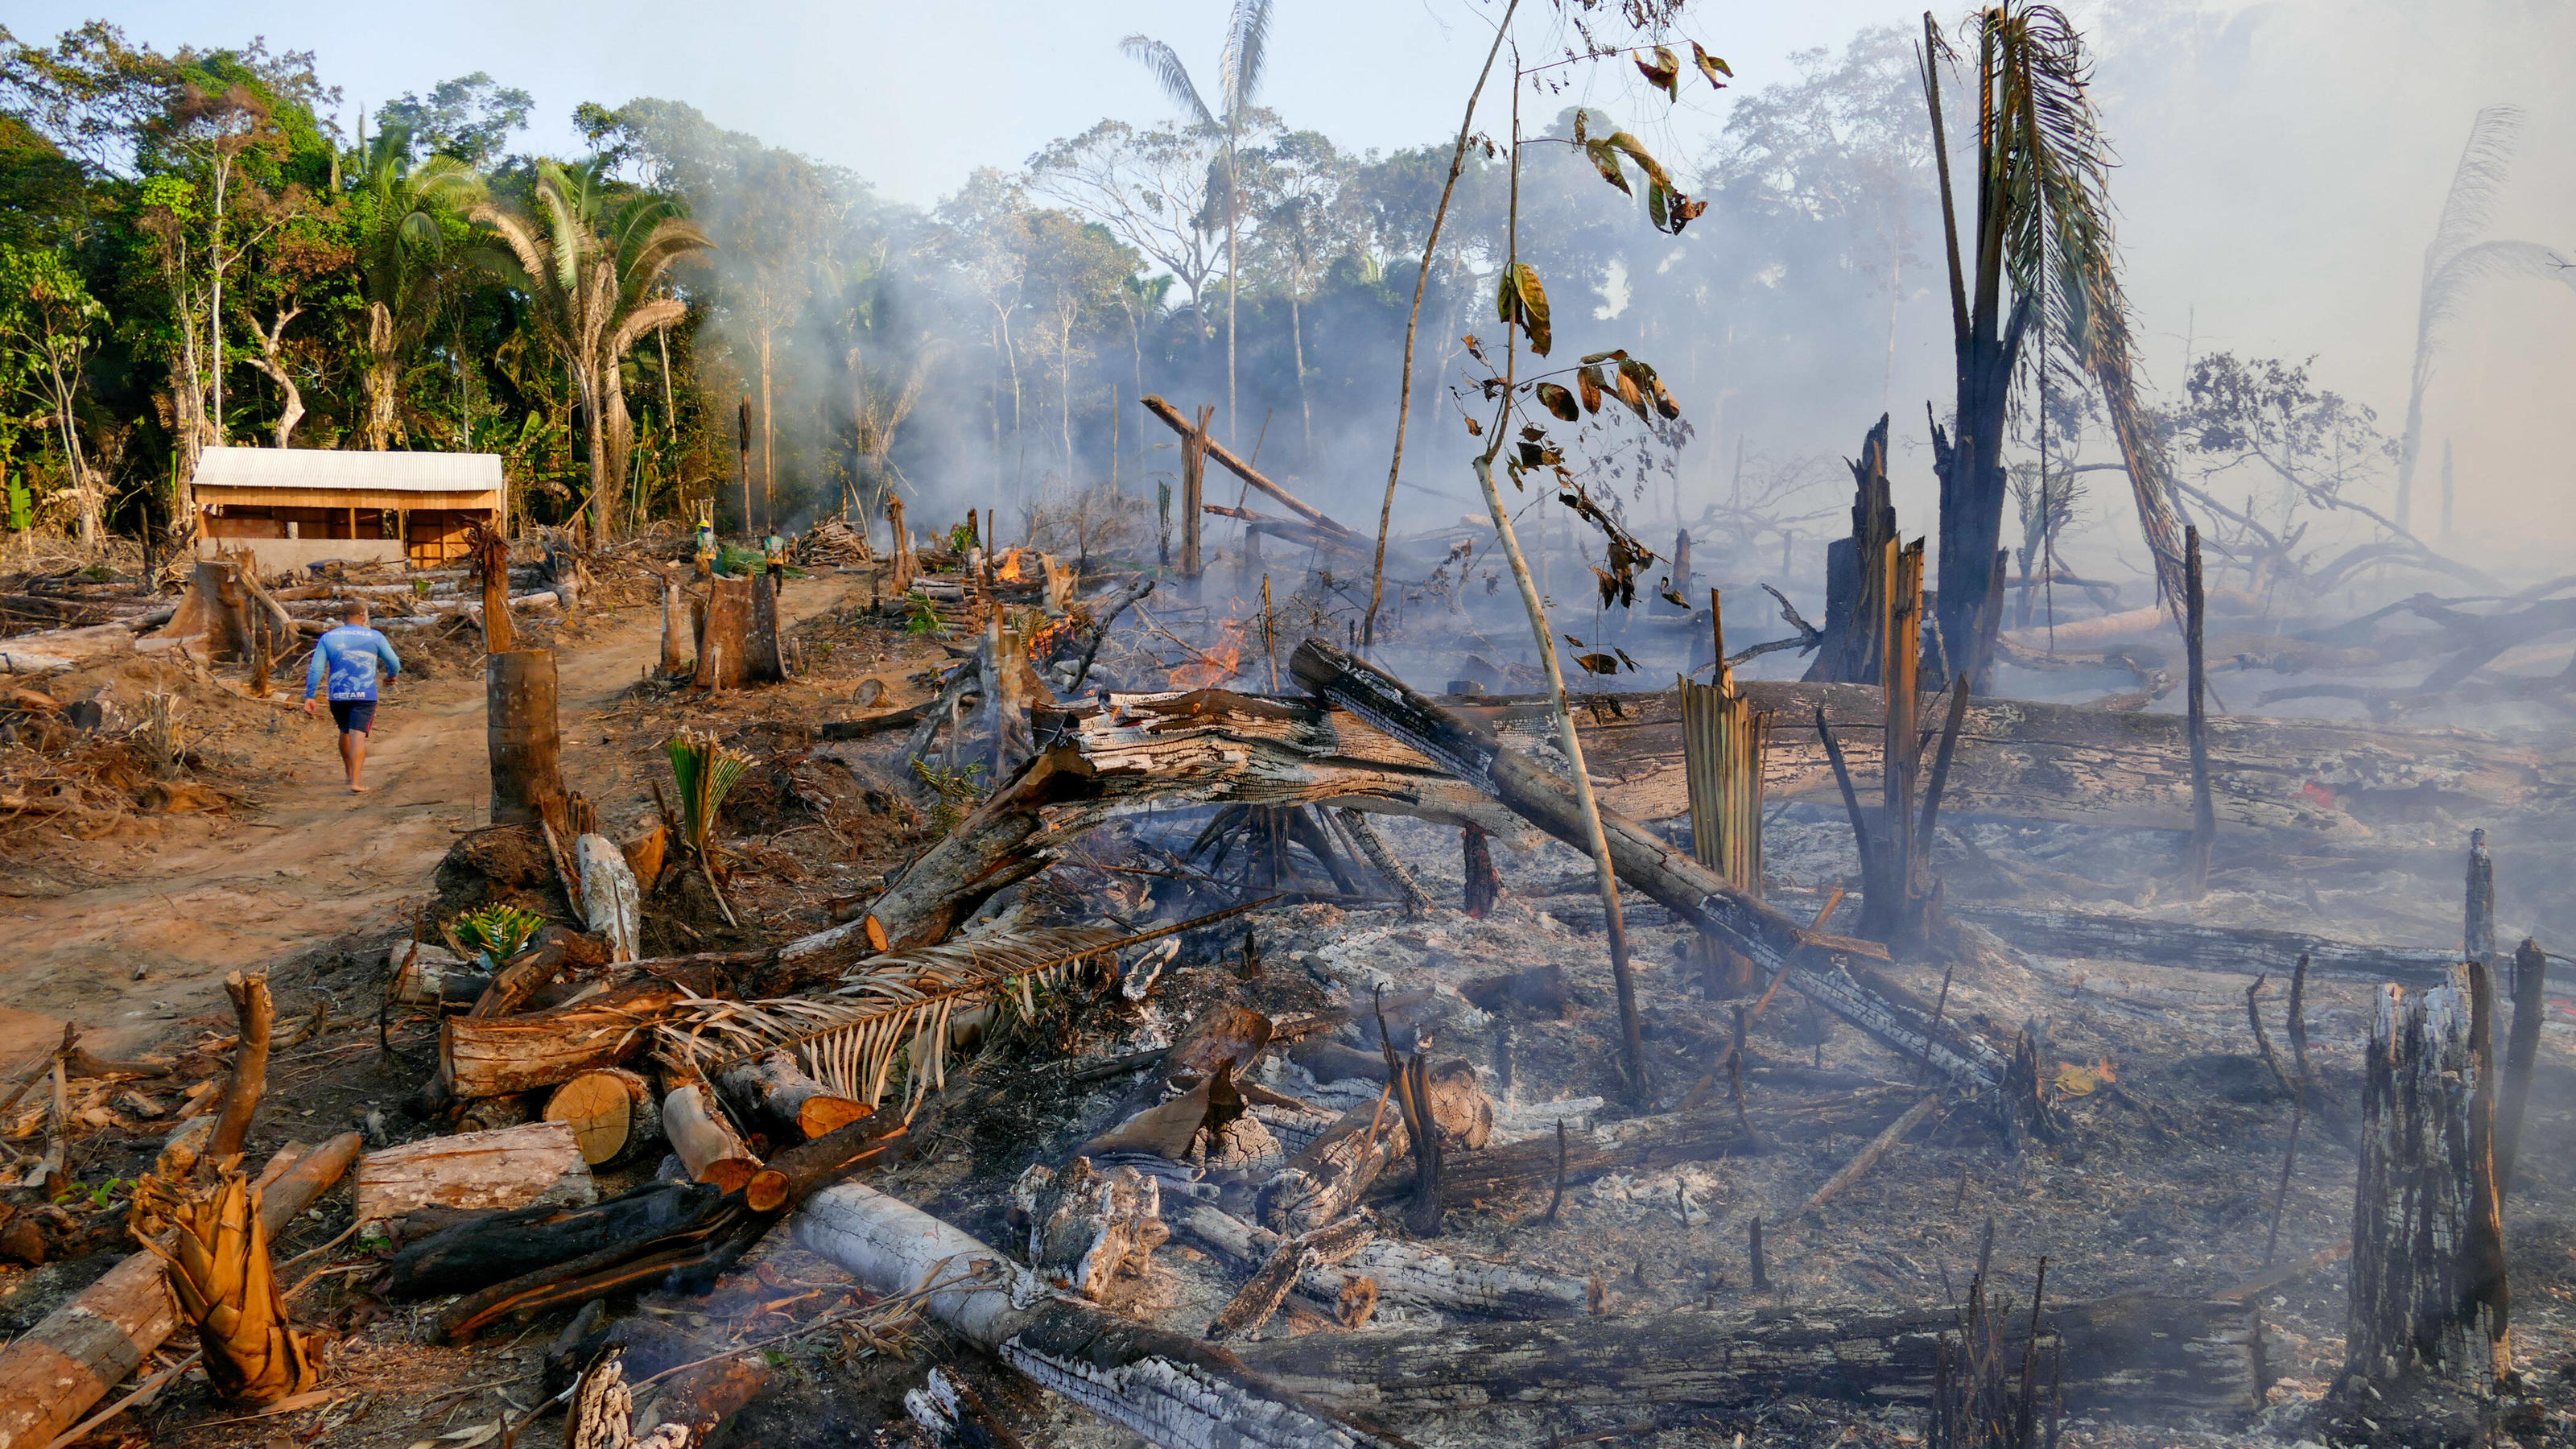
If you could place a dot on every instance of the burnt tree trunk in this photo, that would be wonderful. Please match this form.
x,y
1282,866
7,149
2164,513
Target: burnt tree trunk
x,y
2530,1003
2426,1338
1484,883
2136,1355
763,661
1853,600
525,742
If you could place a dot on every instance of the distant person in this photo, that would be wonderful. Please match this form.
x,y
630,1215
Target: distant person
x,y
349,656
774,548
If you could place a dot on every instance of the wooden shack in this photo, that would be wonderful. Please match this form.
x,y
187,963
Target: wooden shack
x,y
297,506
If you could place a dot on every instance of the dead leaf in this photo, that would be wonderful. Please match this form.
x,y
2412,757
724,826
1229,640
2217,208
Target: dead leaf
x,y
1664,72
1589,379
1598,663
1710,66
1559,401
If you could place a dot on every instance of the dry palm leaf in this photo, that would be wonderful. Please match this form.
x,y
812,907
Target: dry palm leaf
x,y
899,1007
226,1285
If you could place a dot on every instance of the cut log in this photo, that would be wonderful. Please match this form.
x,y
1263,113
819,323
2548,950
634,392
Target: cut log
x,y
497,1247
525,743
612,901
1329,1175
53,1373
614,1115
2138,1356
1087,1226
55,650
1846,986
779,1090
702,1137
511,1168
1173,1391
1406,1272
504,1055
1279,1271
427,975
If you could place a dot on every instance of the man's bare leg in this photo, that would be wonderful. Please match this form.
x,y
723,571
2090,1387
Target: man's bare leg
x,y
353,748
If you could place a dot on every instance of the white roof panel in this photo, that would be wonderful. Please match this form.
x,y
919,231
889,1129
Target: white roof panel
x,y
349,468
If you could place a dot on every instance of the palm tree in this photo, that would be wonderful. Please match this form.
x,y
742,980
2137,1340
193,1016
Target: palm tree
x,y
2043,234
1240,69
588,262
2458,260
402,254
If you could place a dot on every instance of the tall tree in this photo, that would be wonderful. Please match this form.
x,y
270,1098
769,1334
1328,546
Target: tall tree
x,y
586,259
1239,73
403,209
2461,256
47,322
469,119
2042,241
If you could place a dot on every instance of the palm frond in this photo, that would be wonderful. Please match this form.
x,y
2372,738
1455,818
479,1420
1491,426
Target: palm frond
x,y
2447,289
1247,52
1164,64
2485,161
705,772
899,1007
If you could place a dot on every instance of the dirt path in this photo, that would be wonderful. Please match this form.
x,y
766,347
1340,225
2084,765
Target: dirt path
x,y
128,957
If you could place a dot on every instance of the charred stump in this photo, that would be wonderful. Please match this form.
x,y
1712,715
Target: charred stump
x,y
2426,1339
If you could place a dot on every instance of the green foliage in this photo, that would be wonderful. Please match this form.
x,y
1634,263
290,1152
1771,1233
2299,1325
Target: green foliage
x,y
705,773
961,537
738,562
497,931
959,792
22,505
921,616
99,1196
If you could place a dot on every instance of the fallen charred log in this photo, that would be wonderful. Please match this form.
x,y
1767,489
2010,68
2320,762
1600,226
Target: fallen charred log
x,y
2143,1356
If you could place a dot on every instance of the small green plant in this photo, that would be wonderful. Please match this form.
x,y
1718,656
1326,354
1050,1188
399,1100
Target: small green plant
x,y
98,1196
959,792
962,538
498,932
705,772
921,616
22,506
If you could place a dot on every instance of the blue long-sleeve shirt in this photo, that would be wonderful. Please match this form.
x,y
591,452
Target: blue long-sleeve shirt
x,y
349,655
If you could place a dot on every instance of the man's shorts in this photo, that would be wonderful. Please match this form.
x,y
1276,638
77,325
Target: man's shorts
x,y
354,716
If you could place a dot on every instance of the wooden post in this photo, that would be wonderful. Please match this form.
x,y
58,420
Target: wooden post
x,y
1194,446
2530,977
1484,887
763,662
1895,890
675,629
724,639
2427,1335
2477,914
525,743
2204,817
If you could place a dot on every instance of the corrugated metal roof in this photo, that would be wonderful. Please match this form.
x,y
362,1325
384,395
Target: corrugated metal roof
x,y
349,469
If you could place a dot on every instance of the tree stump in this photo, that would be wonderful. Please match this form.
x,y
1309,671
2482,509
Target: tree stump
x,y
724,635
1484,883
2427,1339
525,742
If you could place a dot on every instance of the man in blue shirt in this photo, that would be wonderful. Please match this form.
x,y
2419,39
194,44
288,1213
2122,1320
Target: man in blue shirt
x,y
349,657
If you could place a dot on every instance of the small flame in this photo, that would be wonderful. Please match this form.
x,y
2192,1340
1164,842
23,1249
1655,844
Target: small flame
x,y
1010,570
1213,666
1042,644
2081,1081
